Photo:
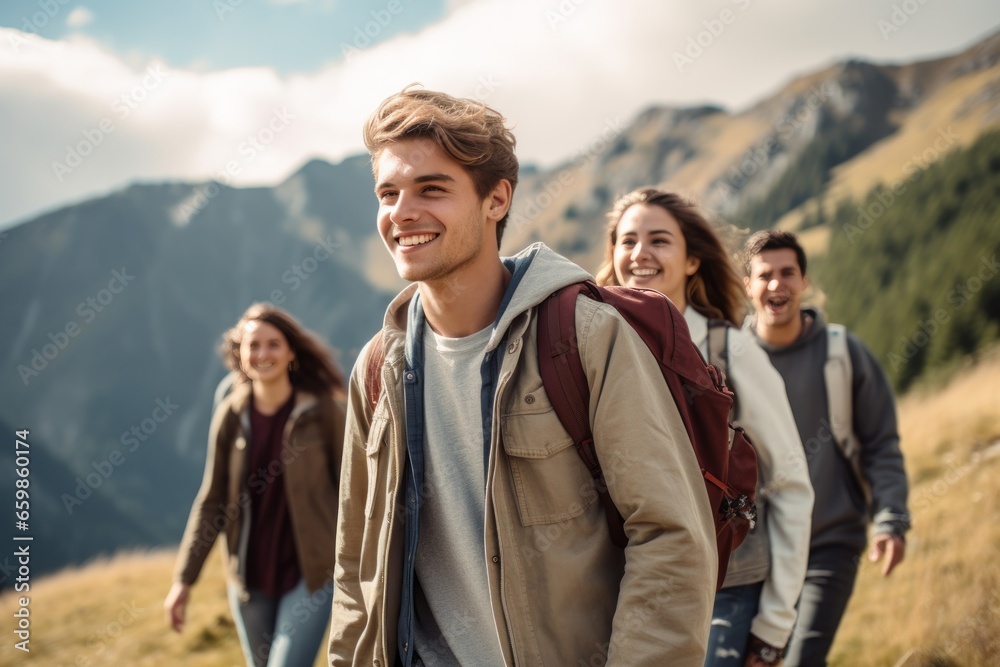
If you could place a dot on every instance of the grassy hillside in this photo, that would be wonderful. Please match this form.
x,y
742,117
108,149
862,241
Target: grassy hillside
x,y
110,612
940,608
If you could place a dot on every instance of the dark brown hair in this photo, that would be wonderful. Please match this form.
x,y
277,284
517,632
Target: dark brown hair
x,y
469,132
313,369
714,290
772,239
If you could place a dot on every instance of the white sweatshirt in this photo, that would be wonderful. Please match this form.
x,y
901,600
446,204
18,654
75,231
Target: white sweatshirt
x,y
785,493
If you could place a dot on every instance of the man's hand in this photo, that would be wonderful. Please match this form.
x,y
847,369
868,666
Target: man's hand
x,y
893,548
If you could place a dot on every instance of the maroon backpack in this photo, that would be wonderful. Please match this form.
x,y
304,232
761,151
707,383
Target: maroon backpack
x,y
724,453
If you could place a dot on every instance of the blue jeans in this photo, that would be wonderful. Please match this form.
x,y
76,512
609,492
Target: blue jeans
x,y
285,631
732,615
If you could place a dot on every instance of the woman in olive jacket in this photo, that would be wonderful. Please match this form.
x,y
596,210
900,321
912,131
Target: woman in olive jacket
x,y
270,487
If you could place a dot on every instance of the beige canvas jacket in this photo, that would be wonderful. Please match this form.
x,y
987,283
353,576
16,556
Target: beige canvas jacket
x,y
562,593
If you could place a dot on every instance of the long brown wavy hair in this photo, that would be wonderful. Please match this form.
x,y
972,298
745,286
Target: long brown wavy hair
x,y
715,289
313,369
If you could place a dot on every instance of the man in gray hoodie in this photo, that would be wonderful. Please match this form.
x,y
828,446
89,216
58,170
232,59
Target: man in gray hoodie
x,y
850,488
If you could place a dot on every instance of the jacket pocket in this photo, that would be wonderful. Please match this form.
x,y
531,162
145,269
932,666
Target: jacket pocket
x,y
551,481
373,450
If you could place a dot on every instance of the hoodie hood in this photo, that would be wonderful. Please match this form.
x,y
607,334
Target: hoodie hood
x,y
537,271
815,327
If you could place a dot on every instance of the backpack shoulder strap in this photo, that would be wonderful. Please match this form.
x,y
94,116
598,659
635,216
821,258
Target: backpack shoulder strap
x,y
566,385
837,373
718,344
373,370
718,356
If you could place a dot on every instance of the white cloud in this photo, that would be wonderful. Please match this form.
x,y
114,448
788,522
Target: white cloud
x,y
560,71
79,17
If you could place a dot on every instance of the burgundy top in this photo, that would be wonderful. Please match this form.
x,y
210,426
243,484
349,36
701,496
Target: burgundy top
x,y
272,561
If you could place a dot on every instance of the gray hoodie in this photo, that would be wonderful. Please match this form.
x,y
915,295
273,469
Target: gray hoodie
x,y
840,516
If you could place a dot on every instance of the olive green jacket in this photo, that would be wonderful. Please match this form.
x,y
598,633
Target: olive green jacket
x,y
312,445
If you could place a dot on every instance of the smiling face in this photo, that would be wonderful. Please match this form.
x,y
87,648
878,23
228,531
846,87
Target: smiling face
x,y
775,287
430,217
650,252
264,352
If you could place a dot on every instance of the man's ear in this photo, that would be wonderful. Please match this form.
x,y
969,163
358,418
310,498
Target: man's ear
x,y
498,200
746,286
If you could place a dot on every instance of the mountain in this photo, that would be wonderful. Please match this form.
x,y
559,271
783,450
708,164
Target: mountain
x,y
826,135
114,311
113,308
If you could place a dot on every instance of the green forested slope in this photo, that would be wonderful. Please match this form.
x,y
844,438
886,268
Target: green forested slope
x,y
913,269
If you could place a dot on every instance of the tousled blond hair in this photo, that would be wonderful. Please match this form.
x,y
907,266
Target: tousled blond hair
x,y
469,132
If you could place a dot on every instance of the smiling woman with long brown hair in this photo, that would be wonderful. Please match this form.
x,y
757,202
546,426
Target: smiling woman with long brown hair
x,y
270,488
659,240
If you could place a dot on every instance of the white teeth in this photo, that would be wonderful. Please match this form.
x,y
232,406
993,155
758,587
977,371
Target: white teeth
x,y
419,239
264,366
645,272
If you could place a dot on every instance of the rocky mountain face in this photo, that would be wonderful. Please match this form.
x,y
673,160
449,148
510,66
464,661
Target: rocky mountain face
x,y
114,307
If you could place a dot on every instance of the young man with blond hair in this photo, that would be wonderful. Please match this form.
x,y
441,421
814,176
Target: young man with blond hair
x,y
845,413
470,531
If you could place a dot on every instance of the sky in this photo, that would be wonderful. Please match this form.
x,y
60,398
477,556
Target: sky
x,y
97,94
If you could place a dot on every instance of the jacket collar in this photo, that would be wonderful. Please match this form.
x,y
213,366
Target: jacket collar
x,y
241,400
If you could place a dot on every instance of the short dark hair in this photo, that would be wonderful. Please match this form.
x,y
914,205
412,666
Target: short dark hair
x,y
772,239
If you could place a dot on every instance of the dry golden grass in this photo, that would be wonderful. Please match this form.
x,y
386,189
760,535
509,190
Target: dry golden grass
x,y
941,607
109,613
